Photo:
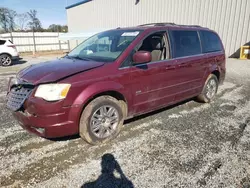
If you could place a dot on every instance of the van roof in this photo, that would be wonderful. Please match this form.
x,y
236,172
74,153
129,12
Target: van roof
x,y
164,26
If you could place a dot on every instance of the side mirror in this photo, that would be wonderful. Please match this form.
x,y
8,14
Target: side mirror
x,y
142,57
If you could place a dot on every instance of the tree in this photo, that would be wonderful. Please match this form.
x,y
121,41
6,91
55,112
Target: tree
x,y
10,20
57,28
34,22
12,14
7,19
65,28
54,28
4,18
22,20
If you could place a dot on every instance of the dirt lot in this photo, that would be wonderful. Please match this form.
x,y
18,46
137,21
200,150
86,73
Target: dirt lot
x,y
187,145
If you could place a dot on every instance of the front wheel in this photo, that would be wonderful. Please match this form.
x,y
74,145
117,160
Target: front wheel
x,y
209,90
5,60
101,120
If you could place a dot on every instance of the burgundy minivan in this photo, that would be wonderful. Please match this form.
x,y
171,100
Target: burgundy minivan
x,y
115,75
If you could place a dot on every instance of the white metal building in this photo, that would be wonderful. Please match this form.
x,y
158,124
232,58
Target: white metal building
x,y
230,18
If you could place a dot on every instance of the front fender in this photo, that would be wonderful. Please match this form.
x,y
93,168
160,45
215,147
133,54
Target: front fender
x,y
97,88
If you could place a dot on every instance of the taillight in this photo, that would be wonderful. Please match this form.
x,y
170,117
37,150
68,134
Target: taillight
x,y
12,46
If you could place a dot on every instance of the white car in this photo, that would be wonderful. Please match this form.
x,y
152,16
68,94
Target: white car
x,y
8,52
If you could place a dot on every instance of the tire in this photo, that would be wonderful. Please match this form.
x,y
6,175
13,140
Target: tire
x,y
5,60
209,90
95,128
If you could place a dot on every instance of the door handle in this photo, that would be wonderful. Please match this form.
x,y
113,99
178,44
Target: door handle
x,y
170,67
183,65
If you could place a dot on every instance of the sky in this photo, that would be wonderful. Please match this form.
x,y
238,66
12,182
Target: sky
x,y
49,11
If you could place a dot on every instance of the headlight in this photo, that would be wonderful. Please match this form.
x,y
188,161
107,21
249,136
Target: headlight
x,y
12,81
52,92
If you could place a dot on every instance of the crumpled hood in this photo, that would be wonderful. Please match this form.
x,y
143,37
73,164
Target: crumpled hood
x,y
52,71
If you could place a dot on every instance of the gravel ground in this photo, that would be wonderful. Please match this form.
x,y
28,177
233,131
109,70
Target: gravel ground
x,y
186,145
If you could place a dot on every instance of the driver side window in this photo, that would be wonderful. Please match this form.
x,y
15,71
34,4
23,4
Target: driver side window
x,y
157,45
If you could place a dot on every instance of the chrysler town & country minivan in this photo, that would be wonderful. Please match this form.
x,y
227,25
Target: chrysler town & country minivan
x,y
116,75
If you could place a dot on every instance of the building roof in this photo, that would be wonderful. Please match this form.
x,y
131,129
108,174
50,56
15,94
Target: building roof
x,y
77,4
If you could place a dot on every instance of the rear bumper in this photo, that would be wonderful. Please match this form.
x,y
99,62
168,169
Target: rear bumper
x,y
63,123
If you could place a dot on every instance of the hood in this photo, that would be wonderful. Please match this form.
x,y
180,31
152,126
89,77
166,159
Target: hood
x,y
52,71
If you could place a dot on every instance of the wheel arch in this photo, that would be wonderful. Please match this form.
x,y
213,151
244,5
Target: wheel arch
x,y
6,54
115,94
217,74
215,70
109,88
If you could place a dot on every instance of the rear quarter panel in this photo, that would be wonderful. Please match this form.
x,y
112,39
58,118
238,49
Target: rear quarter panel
x,y
216,61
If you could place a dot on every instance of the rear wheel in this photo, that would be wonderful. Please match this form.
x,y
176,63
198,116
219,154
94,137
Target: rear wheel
x,y
5,60
101,120
209,90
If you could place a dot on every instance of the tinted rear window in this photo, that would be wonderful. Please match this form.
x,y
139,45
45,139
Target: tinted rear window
x,y
210,42
2,42
185,43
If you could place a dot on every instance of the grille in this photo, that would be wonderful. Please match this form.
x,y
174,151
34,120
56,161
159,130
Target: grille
x,y
17,96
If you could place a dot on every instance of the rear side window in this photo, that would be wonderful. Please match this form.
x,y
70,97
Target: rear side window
x,y
185,43
210,42
2,42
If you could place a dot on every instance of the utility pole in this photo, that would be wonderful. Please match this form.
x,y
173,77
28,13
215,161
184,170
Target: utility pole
x,y
34,41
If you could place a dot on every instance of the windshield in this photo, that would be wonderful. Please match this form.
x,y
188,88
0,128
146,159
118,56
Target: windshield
x,y
105,47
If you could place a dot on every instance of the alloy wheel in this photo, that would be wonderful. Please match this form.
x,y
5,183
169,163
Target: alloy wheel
x,y
104,121
211,88
5,60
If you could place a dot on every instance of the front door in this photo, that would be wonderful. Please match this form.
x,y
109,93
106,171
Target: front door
x,y
151,85
152,82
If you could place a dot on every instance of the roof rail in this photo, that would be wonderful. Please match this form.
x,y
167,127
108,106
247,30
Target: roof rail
x,y
166,24
190,25
157,24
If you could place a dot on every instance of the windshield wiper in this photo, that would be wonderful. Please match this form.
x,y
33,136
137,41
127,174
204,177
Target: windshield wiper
x,y
86,59
69,57
81,58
